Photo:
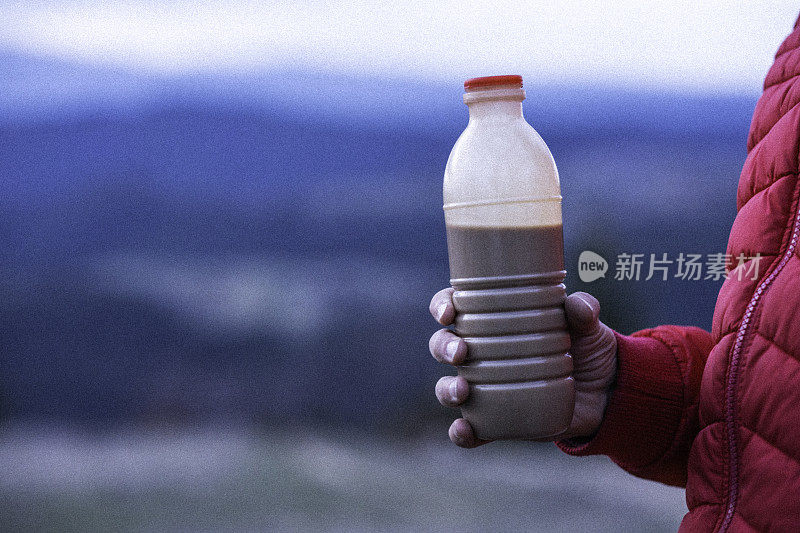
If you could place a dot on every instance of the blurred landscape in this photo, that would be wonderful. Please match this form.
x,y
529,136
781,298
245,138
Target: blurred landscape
x,y
258,251
229,480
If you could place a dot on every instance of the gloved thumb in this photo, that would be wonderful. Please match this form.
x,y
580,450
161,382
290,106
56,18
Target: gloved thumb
x,y
594,357
583,313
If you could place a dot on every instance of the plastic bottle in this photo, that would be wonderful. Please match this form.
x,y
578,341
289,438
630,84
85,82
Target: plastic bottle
x,y
502,205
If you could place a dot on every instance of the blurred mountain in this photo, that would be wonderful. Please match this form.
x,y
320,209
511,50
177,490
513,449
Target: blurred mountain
x,y
46,89
263,246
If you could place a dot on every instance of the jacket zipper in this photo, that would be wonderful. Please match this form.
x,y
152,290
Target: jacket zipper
x,y
733,374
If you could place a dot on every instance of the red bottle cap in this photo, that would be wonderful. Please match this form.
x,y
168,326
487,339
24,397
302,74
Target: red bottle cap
x,y
492,81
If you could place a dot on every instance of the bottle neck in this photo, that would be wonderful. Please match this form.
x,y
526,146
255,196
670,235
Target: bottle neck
x,y
495,110
496,104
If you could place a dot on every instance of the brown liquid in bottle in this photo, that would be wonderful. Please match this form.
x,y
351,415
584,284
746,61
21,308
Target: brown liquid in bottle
x,y
509,301
484,252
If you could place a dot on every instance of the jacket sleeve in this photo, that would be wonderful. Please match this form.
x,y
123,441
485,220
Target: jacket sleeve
x,y
652,415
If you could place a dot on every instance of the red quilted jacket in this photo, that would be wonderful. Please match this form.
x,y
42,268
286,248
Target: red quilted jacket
x,y
719,413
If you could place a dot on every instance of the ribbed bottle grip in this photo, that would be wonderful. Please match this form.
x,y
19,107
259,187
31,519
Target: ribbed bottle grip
x,y
517,365
499,282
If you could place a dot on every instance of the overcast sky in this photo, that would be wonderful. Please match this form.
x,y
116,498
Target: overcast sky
x,y
683,45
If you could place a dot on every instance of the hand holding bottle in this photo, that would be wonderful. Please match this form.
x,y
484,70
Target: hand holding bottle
x,y
594,354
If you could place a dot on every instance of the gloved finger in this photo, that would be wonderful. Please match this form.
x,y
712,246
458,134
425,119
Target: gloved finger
x,y
452,391
582,311
462,435
441,307
447,348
